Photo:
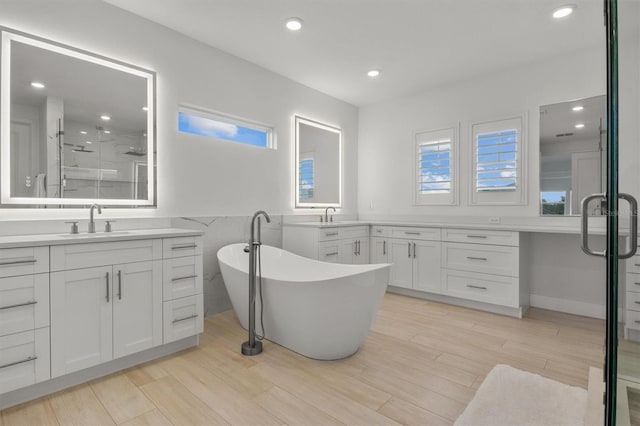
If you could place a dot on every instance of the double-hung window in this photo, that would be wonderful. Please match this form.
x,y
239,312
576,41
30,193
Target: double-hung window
x,y
498,162
435,166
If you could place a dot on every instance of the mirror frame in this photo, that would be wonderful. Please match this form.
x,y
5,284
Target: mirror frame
x,y
298,120
9,35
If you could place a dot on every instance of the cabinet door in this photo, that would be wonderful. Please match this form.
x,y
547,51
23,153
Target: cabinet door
x,y
362,250
346,252
81,319
137,307
379,250
426,275
400,254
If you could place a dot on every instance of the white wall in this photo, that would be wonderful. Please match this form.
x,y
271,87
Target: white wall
x,y
196,176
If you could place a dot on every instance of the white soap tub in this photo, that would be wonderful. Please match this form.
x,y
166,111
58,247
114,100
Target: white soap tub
x,y
320,310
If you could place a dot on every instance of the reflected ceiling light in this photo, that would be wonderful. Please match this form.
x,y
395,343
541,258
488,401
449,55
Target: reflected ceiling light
x,y
132,147
89,142
83,132
107,131
373,73
145,108
579,126
564,11
293,24
37,85
578,108
105,117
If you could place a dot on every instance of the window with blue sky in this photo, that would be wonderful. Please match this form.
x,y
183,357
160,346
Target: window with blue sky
x,y
435,165
221,127
307,183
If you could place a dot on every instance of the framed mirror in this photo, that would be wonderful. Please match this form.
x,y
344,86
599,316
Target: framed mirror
x,y
76,128
318,164
572,155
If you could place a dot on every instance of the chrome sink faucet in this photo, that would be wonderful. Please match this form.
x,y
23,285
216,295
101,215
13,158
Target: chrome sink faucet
x,y
326,214
92,224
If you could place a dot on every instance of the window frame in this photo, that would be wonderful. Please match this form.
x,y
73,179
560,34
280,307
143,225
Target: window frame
x,y
228,119
450,198
517,196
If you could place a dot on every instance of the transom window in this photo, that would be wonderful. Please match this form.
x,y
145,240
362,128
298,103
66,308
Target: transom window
x,y
434,162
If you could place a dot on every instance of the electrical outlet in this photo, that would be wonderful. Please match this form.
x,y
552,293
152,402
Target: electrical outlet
x,y
494,220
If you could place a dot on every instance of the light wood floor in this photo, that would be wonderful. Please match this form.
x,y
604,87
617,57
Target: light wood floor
x,y
421,365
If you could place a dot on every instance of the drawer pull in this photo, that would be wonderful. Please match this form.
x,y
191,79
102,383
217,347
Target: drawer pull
x,y
185,318
333,253
379,231
11,364
637,283
119,285
411,233
637,321
477,236
33,302
186,277
184,246
476,258
637,264
636,302
18,262
384,247
330,234
107,285
479,287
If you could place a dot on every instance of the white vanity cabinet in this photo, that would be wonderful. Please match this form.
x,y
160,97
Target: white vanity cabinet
x,y
415,257
632,299
327,243
24,317
104,312
379,245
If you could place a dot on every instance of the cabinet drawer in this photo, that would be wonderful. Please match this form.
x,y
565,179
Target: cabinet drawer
x,y
181,277
500,260
328,251
23,261
633,265
181,247
327,234
432,234
24,303
633,282
354,232
483,288
503,238
380,231
633,301
24,359
76,256
183,318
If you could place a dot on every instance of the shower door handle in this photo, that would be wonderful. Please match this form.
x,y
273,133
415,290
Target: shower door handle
x,y
633,226
585,224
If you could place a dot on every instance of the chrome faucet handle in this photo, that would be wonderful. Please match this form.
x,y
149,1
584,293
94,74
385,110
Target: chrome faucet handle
x,y
331,218
321,219
107,225
74,226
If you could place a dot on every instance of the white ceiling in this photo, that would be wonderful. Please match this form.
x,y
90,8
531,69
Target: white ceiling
x,y
560,119
417,44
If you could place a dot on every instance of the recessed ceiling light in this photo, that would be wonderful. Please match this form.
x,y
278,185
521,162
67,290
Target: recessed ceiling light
x,y
578,108
107,131
37,85
132,147
293,24
89,142
145,108
564,11
105,117
373,73
579,126
83,132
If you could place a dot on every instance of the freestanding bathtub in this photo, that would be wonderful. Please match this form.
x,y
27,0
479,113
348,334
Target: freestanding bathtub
x,y
320,310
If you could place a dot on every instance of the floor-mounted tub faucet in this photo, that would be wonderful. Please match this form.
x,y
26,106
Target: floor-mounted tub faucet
x,y
92,224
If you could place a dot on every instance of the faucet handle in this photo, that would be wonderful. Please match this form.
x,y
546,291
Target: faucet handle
x,y
74,226
107,225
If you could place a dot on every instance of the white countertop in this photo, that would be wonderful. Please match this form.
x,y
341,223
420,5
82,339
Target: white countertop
x,y
83,238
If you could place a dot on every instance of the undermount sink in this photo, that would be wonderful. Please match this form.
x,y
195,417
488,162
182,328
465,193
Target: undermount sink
x,y
97,234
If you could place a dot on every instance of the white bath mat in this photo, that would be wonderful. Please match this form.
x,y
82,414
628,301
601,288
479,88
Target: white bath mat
x,y
509,396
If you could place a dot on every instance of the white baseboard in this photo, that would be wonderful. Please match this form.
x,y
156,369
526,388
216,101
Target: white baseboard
x,y
568,306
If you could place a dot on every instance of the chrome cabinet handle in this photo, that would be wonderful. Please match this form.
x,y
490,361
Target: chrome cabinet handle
x,y
185,318
633,226
636,302
107,282
186,277
330,234
119,285
33,302
411,233
384,247
11,364
637,321
379,231
476,258
333,253
409,249
184,246
477,236
414,250
584,215
17,262
359,248
479,287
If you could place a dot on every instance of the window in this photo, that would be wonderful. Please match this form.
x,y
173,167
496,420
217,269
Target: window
x,y
223,127
498,162
307,175
554,202
435,166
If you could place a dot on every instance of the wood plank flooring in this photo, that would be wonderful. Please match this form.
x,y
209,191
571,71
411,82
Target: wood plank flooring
x,y
421,365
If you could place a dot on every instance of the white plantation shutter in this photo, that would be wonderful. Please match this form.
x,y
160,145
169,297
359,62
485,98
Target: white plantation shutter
x,y
434,166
